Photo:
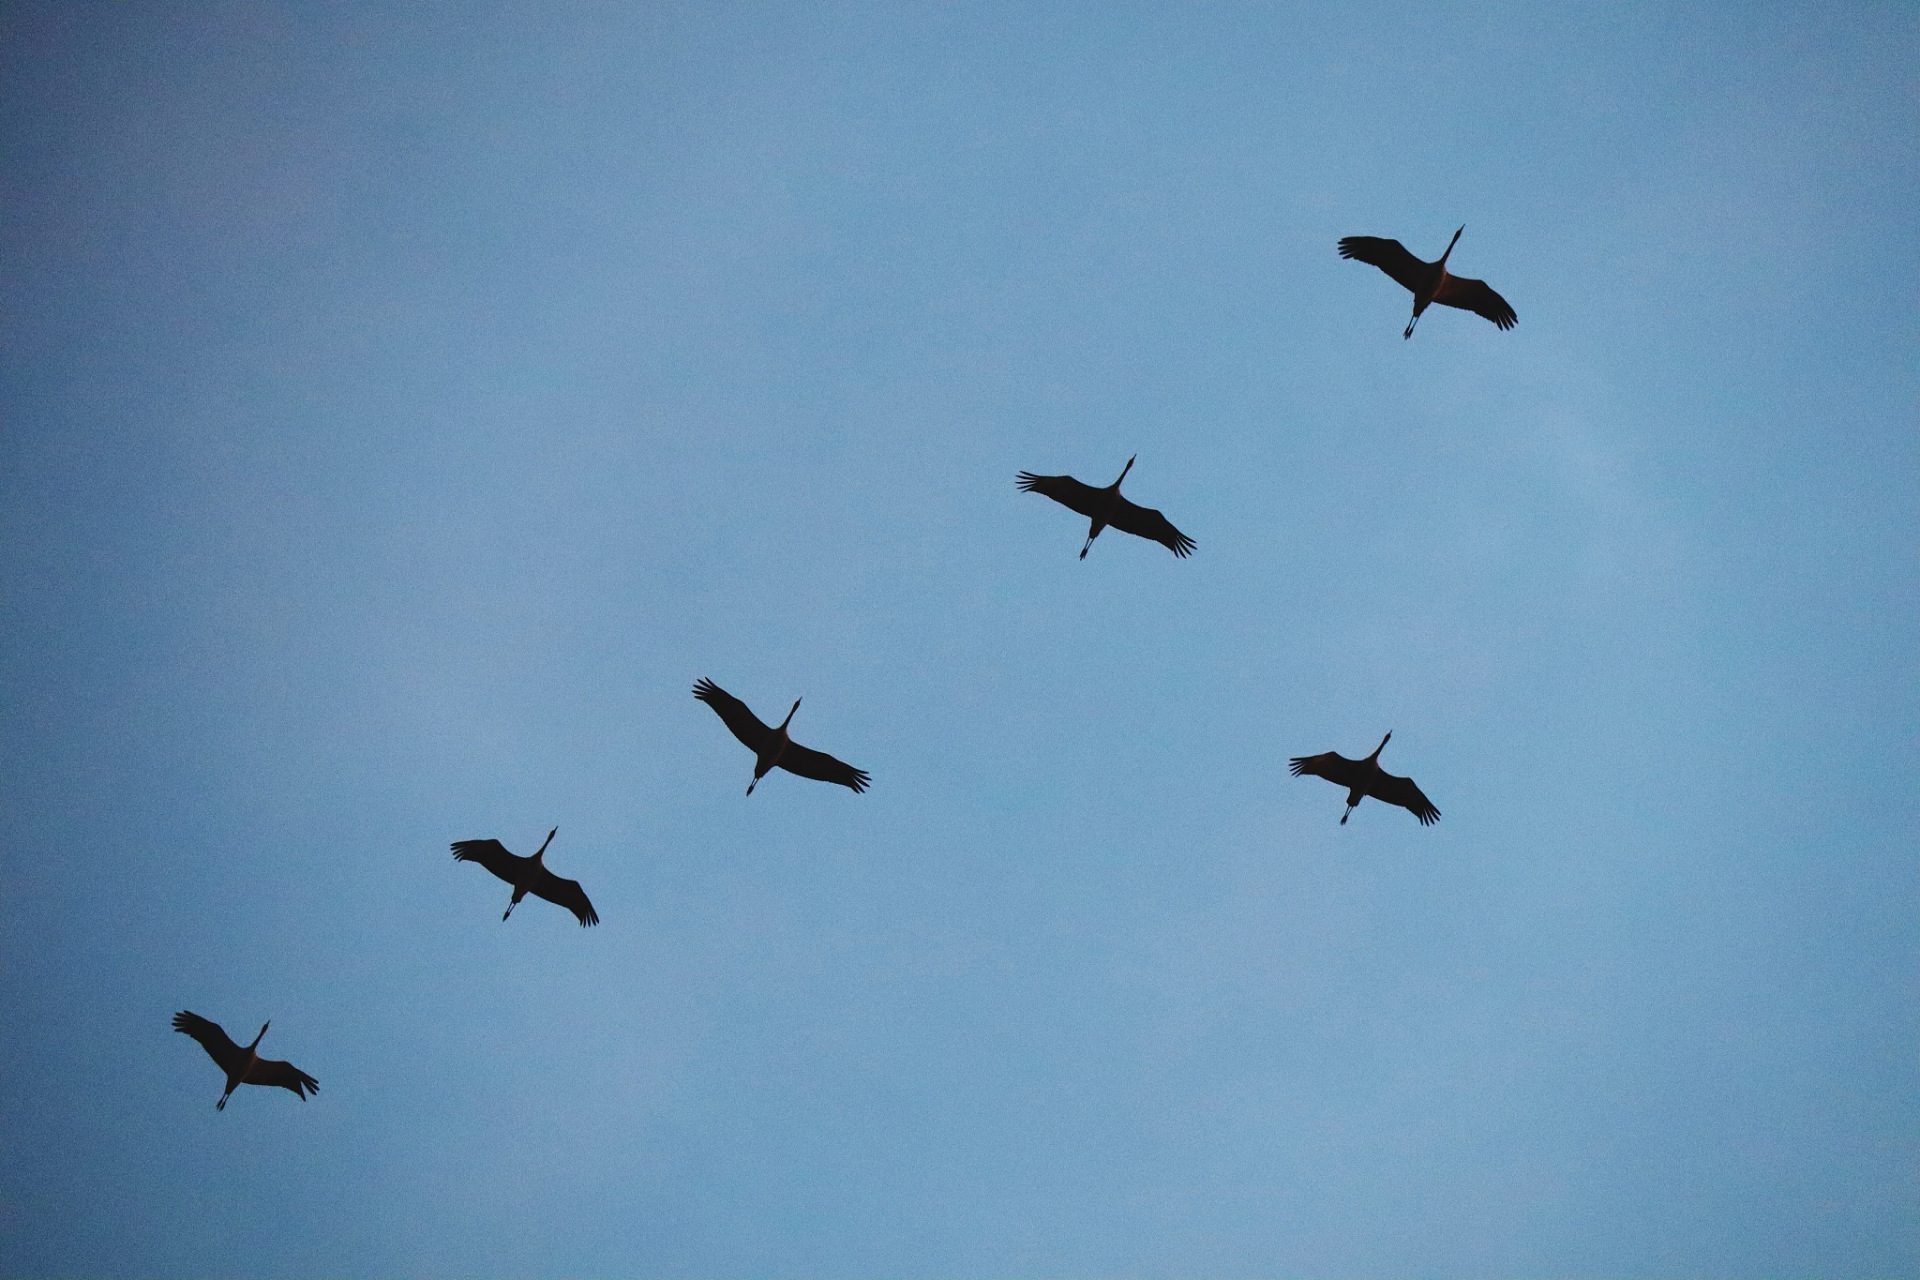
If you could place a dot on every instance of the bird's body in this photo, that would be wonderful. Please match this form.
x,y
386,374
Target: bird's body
x,y
243,1066
1429,282
528,876
1104,507
773,748
1363,778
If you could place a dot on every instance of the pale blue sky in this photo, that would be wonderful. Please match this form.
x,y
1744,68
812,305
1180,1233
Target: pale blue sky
x,y
403,407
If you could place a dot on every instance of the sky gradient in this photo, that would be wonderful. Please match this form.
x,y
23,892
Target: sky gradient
x,y
400,408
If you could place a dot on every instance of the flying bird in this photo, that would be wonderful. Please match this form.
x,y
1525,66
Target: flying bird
x,y
1429,281
243,1066
772,747
1106,507
528,876
1364,778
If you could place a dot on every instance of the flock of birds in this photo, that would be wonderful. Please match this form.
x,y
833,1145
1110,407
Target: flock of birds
x,y
774,748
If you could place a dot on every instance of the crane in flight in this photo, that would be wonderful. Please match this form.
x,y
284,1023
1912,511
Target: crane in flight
x,y
772,748
1429,282
243,1066
1363,778
528,876
1105,507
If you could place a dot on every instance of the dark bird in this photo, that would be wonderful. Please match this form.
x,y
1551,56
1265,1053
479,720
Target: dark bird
x,y
1106,507
1364,778
1429,281
243,1066
527,876
772,747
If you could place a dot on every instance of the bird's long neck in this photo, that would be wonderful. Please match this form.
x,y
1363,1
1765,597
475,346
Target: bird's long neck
x,y
1115,486
1375,757
1442,264
254,1047
541,851
782,730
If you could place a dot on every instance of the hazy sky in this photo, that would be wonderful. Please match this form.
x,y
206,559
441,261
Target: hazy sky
x,y
404,405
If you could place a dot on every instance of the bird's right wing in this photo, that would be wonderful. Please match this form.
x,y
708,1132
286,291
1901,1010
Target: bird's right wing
x,y
1064,490
1402,792
569,894
1145,522
490,854
1330,765
822,767
1474,295
271,1071
1389,255
212,1038
745,725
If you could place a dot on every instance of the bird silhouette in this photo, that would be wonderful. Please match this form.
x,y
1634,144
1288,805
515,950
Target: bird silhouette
x,y
243,1066
528,876
1364,778
772,748
1105,507
1429,281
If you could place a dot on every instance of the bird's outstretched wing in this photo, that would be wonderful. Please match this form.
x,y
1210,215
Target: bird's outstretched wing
x,y
212,1038
818,765
569,894
1389,255
1064,490
1330,765
1475,296
745,725
1402,792
271,1071
1145,522
490,854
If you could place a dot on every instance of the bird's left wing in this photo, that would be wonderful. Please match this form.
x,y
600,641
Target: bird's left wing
x,y
1389,255
745,725
1475,296
1402,792
1330,765
569,894
1145,522
1065,490
490,854
272,1071
212,1037
822,767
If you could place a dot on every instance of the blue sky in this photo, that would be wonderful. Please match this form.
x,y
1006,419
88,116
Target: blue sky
x,y
403,407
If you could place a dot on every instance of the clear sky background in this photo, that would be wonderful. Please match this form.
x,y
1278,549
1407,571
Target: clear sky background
x,y
403,405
